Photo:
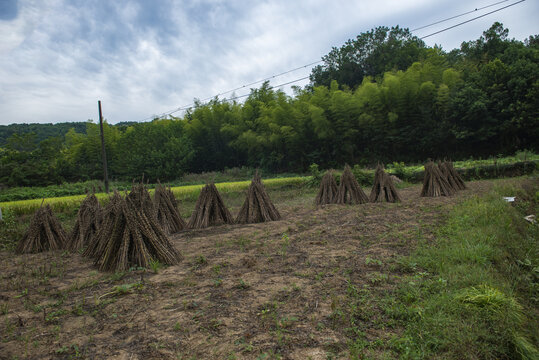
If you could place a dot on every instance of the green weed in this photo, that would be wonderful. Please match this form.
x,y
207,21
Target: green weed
x,y
470,292
155,266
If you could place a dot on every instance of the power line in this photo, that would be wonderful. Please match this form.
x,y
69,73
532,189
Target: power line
x,y
184,107
475,18
271,87
457,16
266,79
187,106
245,95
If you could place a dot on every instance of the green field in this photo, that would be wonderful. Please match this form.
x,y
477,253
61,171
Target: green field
x,y
71,202
189,192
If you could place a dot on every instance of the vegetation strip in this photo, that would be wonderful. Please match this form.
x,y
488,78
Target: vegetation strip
x,y
473,293
66,203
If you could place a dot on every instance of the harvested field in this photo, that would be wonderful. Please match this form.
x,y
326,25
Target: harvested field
x,y
275,289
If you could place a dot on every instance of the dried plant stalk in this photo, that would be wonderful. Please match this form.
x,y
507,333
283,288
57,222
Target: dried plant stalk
x,y
130,236
434,183
327,193
257,206
209,209
383,188
453,176
88,220
349,190
166,209
44,233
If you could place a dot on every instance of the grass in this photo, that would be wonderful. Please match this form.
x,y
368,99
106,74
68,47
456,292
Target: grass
x,y
470,292
81,187
69,204
76,191
469,296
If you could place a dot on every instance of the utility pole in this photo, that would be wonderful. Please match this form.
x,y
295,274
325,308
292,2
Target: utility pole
x,y
103,153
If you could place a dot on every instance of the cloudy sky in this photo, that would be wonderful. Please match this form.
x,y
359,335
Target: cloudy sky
x,y
143,58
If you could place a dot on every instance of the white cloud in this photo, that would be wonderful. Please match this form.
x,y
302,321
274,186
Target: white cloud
x,y
58,57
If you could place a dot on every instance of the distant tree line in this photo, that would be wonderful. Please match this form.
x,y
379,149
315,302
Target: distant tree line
x,y
384,96
40,131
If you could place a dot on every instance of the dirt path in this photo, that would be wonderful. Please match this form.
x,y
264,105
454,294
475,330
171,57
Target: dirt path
x,y
242,291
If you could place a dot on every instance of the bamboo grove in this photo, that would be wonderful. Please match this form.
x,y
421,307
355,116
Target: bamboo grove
x,y
417,102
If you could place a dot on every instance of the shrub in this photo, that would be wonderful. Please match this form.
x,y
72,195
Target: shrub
x,y
363,176
316,175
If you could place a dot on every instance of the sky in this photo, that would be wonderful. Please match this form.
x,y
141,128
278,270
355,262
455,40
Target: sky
x,y
143,58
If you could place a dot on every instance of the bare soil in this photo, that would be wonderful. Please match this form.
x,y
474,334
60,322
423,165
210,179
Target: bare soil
x,y
269,290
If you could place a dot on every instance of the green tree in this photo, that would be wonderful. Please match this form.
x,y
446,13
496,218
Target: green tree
x,y
370,54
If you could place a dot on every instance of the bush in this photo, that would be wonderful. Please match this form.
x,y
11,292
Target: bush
x,y
316,175
364,177
524,155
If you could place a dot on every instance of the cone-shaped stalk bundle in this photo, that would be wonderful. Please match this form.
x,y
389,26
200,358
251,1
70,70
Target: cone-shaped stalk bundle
x,y
86,225
383,188
327,193
44,233
166,208
434,183
257,207
209,209
108,214
444,171
349,190
140,196
453,176
129,237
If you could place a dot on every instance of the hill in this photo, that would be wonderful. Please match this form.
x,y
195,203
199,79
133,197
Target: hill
x,y
42,131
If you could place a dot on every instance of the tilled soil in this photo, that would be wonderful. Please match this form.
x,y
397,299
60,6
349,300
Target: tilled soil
x,y
269,290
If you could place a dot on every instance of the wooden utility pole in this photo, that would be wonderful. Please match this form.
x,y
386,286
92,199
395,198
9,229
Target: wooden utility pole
x,y
103,152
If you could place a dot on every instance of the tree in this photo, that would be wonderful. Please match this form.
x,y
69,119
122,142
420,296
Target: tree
x,y
160,150
371,54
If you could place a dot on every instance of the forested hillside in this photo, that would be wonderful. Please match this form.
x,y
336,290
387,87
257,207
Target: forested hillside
x,y
40,131
384,96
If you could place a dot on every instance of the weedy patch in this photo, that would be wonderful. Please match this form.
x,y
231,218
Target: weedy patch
x,y
486,308
322,282
123,289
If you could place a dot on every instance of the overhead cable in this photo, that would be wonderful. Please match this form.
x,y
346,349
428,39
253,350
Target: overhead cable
x,y
457,16
184,107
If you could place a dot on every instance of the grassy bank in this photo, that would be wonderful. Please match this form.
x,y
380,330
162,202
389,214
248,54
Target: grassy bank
x,y
80,188
473,293
472,169
69,204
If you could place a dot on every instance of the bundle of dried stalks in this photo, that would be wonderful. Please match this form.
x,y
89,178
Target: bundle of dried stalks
x,y
257,207
108,214
349,190
130,237
140,196
166,209
209,209
327,192
383,188
44,233
444,171
452,175
434,183
86,225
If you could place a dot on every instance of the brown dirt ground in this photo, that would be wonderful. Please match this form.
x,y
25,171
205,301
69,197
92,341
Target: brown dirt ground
x,y
242,291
